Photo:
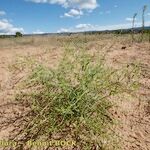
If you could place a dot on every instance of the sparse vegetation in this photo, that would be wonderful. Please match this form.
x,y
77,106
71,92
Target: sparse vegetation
x,y
76,86
72,101
143,21
18,34
133,22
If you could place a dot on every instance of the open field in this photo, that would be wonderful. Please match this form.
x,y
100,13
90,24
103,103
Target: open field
x,y
129,111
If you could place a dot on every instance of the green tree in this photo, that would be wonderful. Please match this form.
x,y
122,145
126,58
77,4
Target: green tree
x,y
18,34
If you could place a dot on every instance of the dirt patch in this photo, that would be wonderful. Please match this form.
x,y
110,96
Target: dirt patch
x,y
133,113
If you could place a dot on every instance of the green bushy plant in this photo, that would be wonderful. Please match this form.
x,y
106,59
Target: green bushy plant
x,y
18,34
72,101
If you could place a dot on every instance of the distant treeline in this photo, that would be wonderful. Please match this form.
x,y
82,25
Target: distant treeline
x,y
6,36
130,31
18,34
120,31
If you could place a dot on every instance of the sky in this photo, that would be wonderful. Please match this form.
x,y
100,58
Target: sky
x,y
53,16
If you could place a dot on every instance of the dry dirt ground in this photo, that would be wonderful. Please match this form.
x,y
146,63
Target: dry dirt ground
x,y
133,114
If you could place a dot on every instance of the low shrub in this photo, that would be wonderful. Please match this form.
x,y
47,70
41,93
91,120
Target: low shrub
x,y
72,101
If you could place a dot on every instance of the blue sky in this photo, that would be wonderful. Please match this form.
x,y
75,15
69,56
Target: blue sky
x,y
38,16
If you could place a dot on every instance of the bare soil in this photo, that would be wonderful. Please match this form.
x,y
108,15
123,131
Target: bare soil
x,y
132,114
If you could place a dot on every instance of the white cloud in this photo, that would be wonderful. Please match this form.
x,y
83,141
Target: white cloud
x,y
78,4
7,28
130,19
60,2
63,30
83,26
73,13
83,4
2,13
90,27
38,32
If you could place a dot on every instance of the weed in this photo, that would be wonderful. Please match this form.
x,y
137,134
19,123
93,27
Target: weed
x,y
143,21
133,22
72,101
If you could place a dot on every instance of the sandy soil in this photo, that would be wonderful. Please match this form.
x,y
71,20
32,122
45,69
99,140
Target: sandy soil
x,y
133,114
